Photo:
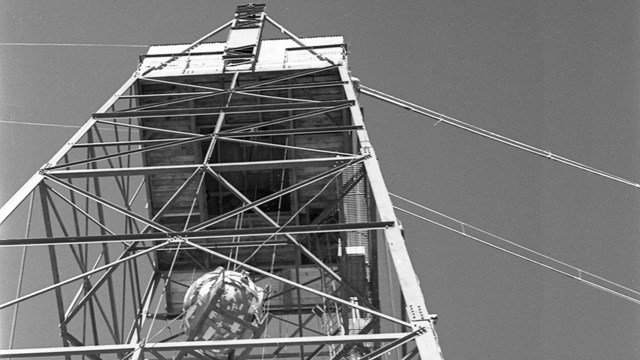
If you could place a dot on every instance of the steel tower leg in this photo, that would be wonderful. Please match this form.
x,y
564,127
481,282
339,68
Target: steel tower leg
x,y
415,305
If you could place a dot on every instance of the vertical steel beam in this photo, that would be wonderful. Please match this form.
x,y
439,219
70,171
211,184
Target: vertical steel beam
x,y
21,273
135,334
299,307
44,198
105,248
416,309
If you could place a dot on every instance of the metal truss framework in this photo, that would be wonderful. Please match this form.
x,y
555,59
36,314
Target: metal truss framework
x,y
92,205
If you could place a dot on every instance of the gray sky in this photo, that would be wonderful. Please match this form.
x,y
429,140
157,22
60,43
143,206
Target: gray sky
x,y
562,76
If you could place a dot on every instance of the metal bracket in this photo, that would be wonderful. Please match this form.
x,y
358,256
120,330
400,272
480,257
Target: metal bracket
x,y
177,239
43,169
418,313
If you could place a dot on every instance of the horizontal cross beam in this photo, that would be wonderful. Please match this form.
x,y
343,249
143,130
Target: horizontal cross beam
x,y
218,167
199,345
202,234
236,109
296,131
